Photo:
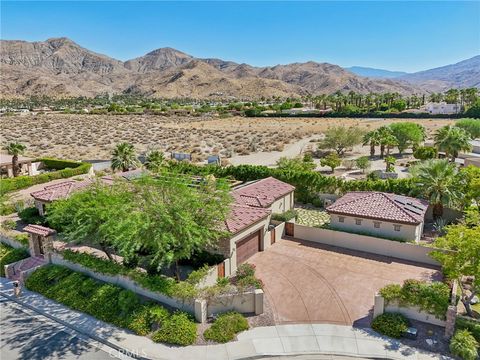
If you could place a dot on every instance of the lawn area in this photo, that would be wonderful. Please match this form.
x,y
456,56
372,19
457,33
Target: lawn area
x,y
310,216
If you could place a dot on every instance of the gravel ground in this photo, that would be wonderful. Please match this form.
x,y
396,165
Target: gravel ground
x,y
428,332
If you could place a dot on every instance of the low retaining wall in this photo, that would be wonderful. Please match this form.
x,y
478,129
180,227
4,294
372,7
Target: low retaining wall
x,y
13,243
247,303
370,244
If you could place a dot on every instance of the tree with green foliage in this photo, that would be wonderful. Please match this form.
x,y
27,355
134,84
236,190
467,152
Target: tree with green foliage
x,y
363,163
332,161
154,160
166,219
407,134
474,110
15,149
387,140
462,260
124,157
471,126
452,140
341,138
390,164
296,164
425,153
372,139
438,182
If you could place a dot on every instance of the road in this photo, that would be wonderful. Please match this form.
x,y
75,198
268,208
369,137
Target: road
x,y
25,334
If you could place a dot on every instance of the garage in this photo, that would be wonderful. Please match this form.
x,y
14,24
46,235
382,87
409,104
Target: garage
x,y
248,246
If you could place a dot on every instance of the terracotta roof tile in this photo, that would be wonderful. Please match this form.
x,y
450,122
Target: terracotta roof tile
x,y
39,230
262,193
242,216
381,206
60,191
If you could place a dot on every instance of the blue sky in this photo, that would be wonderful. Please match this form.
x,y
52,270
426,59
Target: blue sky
x,y
408,36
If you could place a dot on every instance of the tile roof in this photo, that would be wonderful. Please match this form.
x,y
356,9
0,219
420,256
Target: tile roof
x,y
60,190
381,206
128,175
242,216
39,230
262,193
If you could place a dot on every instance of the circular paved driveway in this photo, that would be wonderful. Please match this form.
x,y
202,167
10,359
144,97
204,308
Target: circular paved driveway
x,y
308,282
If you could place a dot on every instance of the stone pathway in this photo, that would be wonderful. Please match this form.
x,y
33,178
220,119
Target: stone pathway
x,y
321,339
311,216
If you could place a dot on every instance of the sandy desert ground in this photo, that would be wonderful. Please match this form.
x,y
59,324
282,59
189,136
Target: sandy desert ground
x,y
92,137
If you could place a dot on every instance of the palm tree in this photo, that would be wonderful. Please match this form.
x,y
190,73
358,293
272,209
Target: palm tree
x,y
15,149
124,157
372,138
438,181
452,140
386,139
390,162
154,160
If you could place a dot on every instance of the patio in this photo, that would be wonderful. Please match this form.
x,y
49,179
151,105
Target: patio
x,y
310,216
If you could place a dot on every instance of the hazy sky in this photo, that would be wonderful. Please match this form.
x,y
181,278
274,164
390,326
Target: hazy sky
x,y
394,35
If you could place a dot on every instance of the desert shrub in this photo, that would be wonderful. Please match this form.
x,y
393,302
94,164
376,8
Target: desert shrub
x,y
285,216
390,324
431,297
10,255
464,345
425,152
179,329
225,327
9,224
30,215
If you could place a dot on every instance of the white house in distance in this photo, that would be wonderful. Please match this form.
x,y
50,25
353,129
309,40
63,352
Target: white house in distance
x,y
377,213
442,108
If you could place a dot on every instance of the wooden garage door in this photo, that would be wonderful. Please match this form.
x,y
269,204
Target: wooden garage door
x,y
247,247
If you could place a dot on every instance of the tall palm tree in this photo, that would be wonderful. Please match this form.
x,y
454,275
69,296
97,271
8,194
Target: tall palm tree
x,y
438,181
124,157
452,140
154,160
371,138
15,149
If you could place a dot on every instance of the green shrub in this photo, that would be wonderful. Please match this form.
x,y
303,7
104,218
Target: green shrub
x,y
179,329
425,153
473,326
433,297
10,255
196,276
390,324
59,164
245,270
22,182
30,215
225,327
250,282
464,345
95,263
22,239
285,216
7,208
9,224
147,318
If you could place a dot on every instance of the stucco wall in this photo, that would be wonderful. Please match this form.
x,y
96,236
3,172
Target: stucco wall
x,y
283,204
405,251
247,303
407,232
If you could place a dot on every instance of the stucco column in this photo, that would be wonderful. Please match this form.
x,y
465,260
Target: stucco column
x,y
379,305
9,171
258,301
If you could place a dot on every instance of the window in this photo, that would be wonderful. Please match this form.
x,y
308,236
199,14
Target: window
x,y
396,227
341,219
358,221
376,224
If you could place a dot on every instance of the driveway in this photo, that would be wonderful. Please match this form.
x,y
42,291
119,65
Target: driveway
x,y
311,283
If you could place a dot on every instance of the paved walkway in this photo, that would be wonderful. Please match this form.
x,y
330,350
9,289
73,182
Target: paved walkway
x,y
322,339
309,282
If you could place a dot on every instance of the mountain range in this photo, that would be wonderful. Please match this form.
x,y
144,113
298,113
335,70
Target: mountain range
x,y
60,67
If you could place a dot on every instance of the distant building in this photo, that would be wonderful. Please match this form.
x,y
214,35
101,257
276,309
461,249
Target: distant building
x,y
443,108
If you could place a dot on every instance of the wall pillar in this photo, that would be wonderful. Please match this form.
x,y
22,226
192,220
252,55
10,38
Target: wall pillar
x,y
258,301
450,321
9,171
379,305
200,309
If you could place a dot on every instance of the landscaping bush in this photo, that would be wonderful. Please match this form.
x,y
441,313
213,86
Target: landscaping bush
x,y
463,323
30,215
433,297
178,329
7,208
245,270
225,327
464,345
10,255
147,318
390,324
286,216
22,182
22,239
9,224
59,164
245,277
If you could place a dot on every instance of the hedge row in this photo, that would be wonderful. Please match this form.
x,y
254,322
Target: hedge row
x,y
473,326
10,255
433,297
22,182
59,164
112,304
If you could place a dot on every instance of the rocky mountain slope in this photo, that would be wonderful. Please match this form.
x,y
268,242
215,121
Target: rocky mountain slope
x,y
375,73
60,67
